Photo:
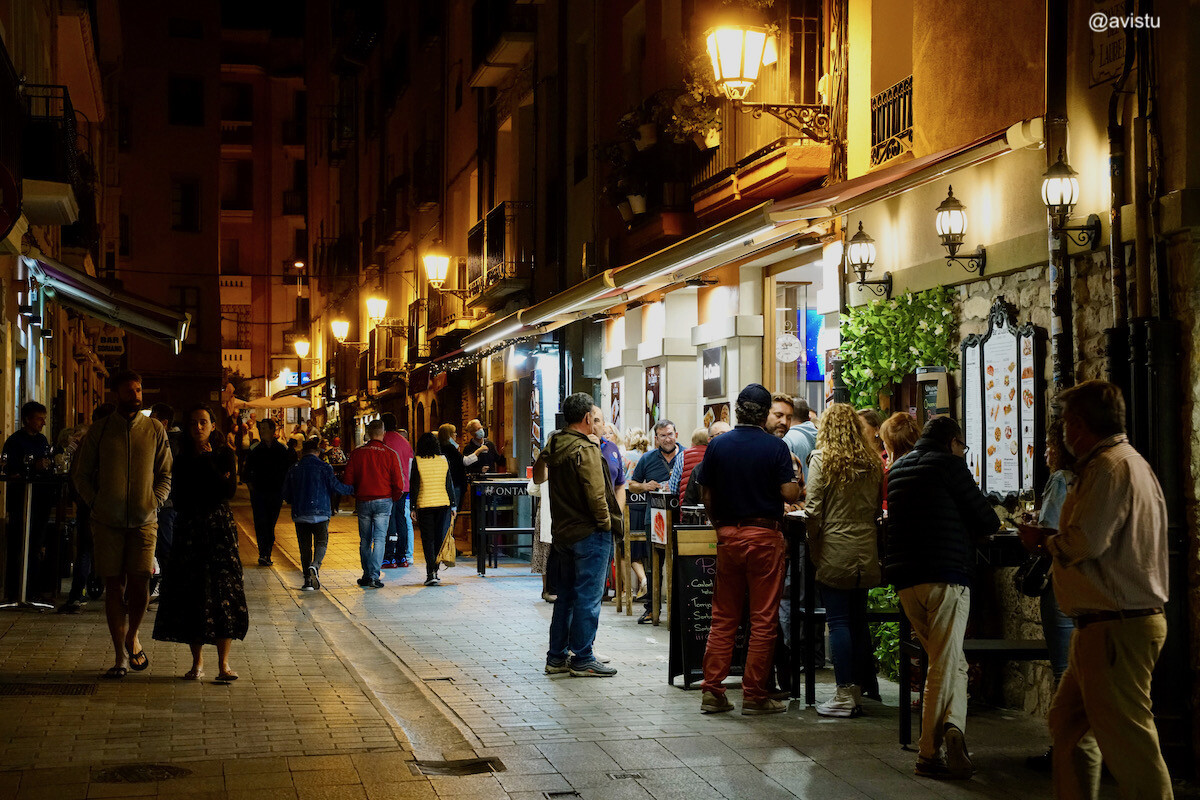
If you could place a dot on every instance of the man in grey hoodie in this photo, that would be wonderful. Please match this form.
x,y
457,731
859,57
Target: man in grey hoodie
x,y
584,511
123,473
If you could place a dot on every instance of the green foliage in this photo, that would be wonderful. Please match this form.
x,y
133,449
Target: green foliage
x,y
885,340
886,635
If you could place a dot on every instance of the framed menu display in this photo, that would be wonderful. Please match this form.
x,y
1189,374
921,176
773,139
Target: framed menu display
x,y
1002,404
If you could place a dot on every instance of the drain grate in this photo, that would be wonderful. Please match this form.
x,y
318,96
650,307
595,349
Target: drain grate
x,y
37,689
466,766
561,795
140,773
625,776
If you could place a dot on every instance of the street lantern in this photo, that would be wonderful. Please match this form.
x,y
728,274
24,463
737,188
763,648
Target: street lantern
x,y
298,264
737,55
340,329
437,264
376,308
1060,187
302,346
951,222
860,255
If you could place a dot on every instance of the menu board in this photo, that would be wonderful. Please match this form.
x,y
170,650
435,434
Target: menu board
x,y
972,419
1002,406
693,581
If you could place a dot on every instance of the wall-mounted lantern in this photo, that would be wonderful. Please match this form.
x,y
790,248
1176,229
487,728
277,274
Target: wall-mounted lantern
x,y
951,223
860,255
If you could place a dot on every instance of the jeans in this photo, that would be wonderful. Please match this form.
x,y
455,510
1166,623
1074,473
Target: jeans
x,y
749,561
373,517
582,569
1057,627
82,566
434,523
313,538
395,549
266,507
408,528
938,613
849,636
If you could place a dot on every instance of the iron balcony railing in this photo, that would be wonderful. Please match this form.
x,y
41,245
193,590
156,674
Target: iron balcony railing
x,y
295,202
49,141
418,350
891,122
500,247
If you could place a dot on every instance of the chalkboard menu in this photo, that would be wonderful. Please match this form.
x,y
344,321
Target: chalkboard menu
x,y
1002,404
694,577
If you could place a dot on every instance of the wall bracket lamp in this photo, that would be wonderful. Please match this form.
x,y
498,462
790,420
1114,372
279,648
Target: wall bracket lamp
x,y
737,53
860,255
1060,192
951,223
437,265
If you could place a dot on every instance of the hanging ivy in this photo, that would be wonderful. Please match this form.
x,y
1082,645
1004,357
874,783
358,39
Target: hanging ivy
x,y
885,340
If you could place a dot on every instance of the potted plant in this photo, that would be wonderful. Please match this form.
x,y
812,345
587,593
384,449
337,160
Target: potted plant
x,y
695,111
634,187
614,194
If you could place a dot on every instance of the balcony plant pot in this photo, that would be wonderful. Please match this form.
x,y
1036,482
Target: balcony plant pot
x,y
647,135
626,210
637,203
709,140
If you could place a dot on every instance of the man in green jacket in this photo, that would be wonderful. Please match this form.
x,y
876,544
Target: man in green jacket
x,y
584,510
123,473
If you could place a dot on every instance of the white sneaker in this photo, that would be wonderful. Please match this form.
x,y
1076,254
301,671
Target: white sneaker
x,y
841,704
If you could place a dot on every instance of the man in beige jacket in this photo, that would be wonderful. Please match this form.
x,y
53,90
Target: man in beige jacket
x,y
123,473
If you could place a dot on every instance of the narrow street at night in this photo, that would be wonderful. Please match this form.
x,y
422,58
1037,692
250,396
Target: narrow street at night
x,y
343,690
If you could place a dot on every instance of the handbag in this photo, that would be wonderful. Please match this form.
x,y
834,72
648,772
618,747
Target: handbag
x,y
447,553
1033,576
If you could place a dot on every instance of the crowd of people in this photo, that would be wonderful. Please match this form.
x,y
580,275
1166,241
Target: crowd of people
x,y
881,501
885,500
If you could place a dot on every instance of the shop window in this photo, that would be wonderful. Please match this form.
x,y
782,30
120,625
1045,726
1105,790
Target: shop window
x,y
185,205
185,100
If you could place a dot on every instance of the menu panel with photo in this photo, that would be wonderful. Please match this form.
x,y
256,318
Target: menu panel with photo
x,y
972,393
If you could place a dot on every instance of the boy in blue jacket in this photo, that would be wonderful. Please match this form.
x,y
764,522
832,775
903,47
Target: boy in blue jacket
x,y
308,487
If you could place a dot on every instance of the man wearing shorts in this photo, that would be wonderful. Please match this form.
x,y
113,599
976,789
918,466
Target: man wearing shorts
x,y
123,473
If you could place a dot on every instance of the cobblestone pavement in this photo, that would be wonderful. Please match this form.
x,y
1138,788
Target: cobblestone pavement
x,y
342,689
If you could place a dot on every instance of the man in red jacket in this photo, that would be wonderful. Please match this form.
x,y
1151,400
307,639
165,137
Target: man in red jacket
x,y
374,472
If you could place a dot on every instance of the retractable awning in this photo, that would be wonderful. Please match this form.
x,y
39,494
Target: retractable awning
x,y
79,291
294,391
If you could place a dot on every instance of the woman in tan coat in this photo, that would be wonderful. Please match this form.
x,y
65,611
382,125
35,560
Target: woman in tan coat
x,y
845,479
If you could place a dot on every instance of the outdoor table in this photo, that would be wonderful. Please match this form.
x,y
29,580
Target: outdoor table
x,y
58,485
488,494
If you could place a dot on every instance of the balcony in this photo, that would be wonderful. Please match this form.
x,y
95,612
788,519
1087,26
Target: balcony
x,y
395,218
236,137
235,290
427,176
445,315
342,126
892,122
295,202
500,254
418,351
236,360
335,257
293,133
502,36
49,158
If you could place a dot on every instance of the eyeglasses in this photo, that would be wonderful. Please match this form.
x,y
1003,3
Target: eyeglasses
x,y
966,447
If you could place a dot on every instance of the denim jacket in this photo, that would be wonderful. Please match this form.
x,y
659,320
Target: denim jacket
x,y
308,486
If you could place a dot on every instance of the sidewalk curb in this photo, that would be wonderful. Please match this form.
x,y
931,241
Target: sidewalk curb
x,y
416,714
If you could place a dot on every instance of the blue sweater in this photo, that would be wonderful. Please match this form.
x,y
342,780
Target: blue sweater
x,y
307,487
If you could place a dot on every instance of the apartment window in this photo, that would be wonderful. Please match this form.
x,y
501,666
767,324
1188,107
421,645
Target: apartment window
x,y
185,100
185,205
124,128
187,301
124,247
300,243
183,28
302,317
237,185
230,257
237,102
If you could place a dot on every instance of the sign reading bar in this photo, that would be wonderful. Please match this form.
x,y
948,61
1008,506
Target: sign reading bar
x,y
111,344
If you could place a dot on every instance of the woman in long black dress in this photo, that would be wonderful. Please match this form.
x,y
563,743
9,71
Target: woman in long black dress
x,y
202,600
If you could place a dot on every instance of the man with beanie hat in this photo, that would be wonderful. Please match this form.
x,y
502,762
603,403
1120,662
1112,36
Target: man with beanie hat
x,y
747,475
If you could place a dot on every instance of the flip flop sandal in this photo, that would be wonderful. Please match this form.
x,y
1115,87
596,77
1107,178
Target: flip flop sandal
x,y
227,677
138,661
116,673
193,675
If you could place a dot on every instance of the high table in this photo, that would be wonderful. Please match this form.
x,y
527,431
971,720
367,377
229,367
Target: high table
x,y
488,495
58,484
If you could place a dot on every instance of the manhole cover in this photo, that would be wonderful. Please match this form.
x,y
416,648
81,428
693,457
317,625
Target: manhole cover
x,y
31,689
467,766
140,773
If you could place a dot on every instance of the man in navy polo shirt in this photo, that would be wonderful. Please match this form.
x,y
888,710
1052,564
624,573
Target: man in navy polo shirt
x,y
652,473
747,476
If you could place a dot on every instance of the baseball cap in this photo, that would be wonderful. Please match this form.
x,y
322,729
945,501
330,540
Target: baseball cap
x,y
755,393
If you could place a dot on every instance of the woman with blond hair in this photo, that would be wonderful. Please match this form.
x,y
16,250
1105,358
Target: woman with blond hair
x,y
845,497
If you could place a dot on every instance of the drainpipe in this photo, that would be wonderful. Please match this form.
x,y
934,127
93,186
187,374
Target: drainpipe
x,y
1117,337
1061,332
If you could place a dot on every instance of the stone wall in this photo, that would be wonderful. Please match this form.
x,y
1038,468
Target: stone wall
x,y
1029,685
